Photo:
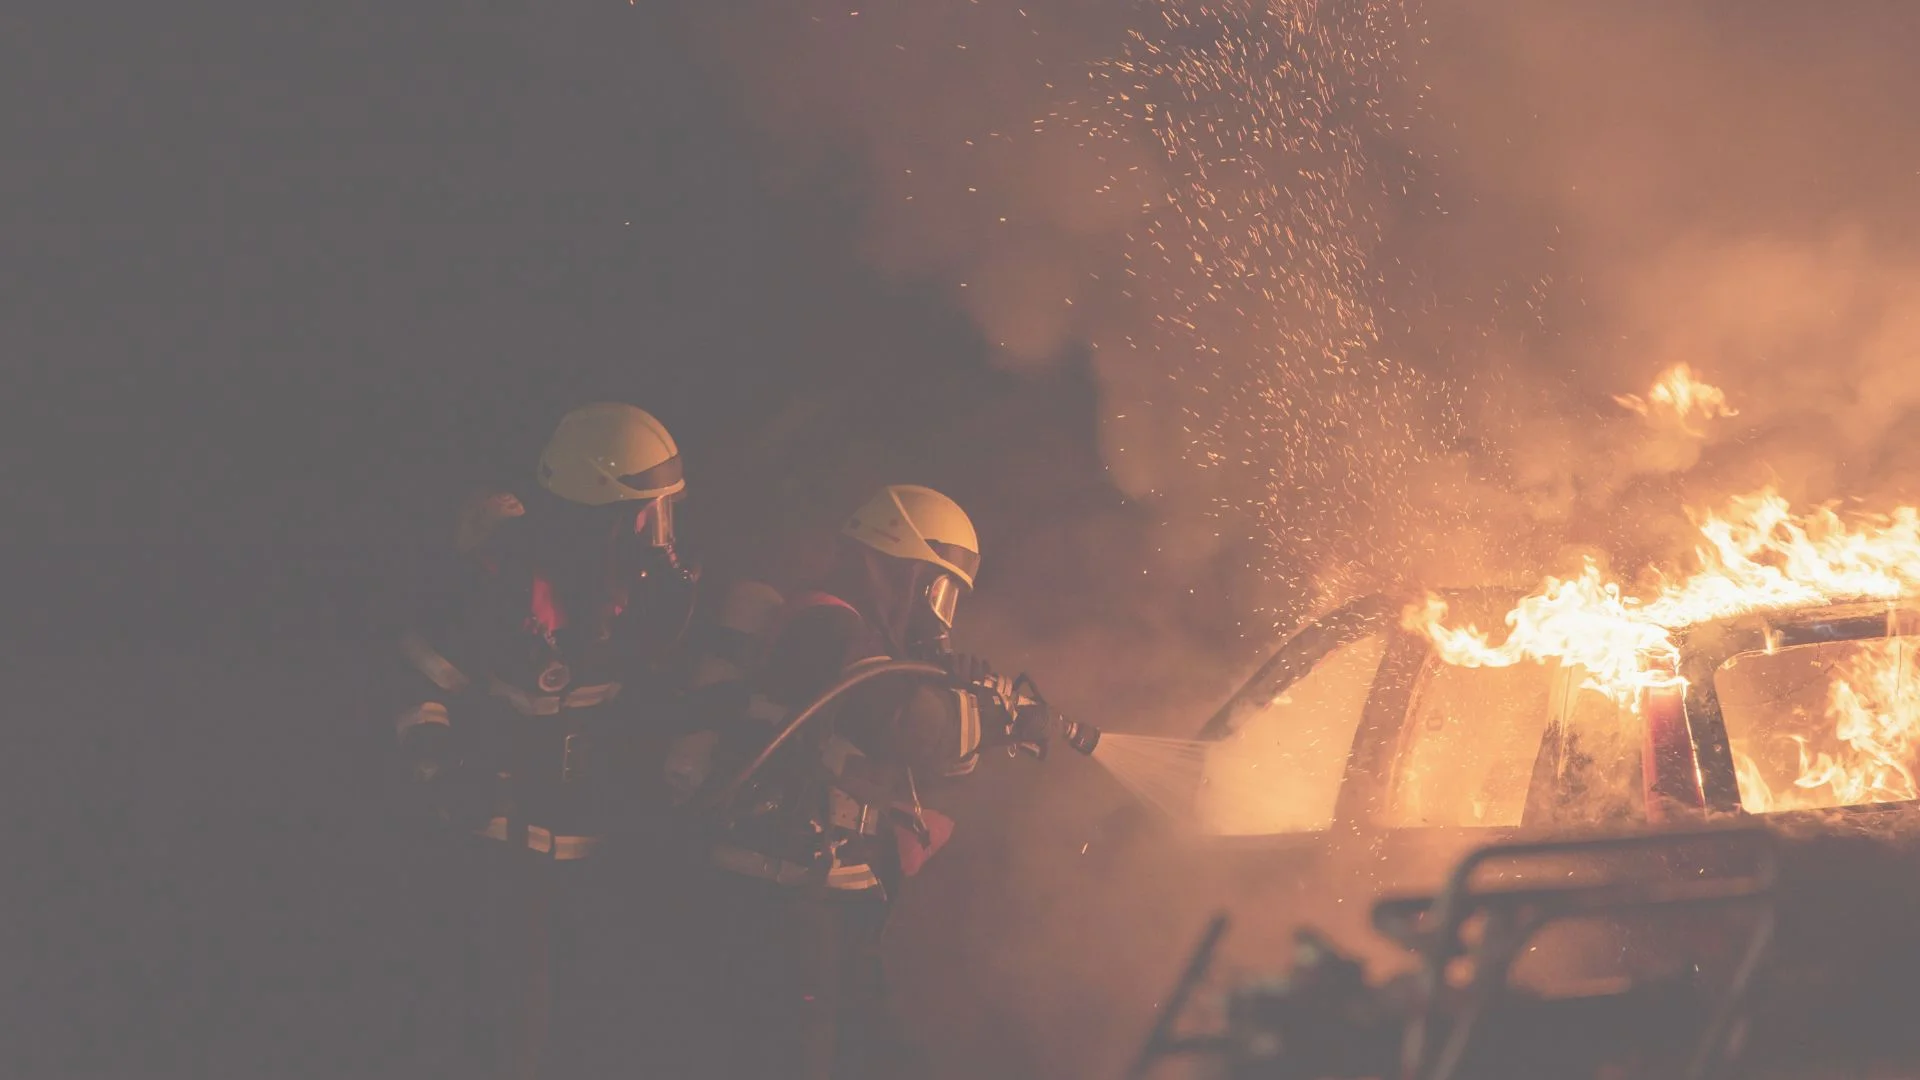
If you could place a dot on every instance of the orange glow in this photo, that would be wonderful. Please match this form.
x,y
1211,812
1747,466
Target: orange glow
x,y
1680,397
1754,556
1856,744
1584,621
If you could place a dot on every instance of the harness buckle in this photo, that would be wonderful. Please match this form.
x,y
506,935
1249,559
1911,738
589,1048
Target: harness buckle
x,y
851,815
573,758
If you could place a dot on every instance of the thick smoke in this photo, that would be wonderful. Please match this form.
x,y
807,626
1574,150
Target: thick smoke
x,y
1721,185
1361,283
1192,196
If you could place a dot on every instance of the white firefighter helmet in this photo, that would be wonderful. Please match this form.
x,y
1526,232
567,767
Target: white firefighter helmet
x,y
918,523
610,452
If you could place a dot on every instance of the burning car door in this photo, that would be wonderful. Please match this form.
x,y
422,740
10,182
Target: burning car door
x,y
1809,709
1444,747
1356,725
1282,742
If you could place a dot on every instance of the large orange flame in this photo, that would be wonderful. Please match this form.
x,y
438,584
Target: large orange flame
x,y
1755,555
1873,704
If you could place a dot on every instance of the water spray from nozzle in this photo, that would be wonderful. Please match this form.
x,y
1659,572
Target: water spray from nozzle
x,y
1163,773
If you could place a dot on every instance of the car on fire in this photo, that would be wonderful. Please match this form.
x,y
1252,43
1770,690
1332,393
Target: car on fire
x,y
1714,876
1783,711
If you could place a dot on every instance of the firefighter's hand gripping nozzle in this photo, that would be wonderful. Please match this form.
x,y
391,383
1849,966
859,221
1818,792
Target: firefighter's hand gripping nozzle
x,y
1030,725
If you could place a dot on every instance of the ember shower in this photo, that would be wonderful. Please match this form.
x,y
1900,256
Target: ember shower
x,y
1363,280
1257,267
1198,192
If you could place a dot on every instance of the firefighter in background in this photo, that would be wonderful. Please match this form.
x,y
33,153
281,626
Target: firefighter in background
x,y
796,877
538,668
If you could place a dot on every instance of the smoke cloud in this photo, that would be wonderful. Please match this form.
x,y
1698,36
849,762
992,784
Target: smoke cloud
x,y
1361,280
1361,283
1723,185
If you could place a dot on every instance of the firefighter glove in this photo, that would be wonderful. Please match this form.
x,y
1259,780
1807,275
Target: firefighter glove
x,y
1033,727
433,784
967,669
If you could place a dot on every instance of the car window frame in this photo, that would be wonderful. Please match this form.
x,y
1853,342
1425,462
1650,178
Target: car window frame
x,y
1295,660
1361,803
1706,647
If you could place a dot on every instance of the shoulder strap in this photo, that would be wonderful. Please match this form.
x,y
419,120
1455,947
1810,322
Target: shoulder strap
x,y
799,604
818,599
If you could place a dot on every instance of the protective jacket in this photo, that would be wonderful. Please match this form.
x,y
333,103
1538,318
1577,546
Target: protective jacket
x,y
531,703
839,806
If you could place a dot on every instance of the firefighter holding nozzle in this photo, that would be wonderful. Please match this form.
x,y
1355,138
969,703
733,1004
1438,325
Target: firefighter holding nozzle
x,y
803,791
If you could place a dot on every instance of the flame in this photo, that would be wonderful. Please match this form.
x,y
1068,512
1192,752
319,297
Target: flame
x,y
1754,556
1873,704
1584,621
1679,396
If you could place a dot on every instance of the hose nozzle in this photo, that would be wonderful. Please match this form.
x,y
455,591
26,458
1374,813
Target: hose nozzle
x,y
1082,737
1032,724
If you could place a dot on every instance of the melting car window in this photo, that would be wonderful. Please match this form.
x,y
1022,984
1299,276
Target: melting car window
x,y
1828,724
1280,772
1468,750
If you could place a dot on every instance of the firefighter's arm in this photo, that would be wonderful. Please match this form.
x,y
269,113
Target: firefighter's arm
x,y
424,725
729,716
812,651
729,635
940,731
429,771
430,684
445,592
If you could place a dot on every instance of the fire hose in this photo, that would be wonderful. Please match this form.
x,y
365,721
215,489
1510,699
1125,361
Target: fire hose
x,y
1013,696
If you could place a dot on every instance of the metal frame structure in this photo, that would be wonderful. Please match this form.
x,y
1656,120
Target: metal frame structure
x,y
1439,1027
1445,1022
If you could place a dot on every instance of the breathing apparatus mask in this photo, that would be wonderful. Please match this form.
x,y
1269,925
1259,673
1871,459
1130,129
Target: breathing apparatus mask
x,y
626,541
653,533
1025,722
929,624
620,561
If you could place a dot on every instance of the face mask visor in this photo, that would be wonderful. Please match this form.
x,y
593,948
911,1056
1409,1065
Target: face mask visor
x,y
654,524
943,596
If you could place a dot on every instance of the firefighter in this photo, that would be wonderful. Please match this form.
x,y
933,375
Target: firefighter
x,y
536,666
800,869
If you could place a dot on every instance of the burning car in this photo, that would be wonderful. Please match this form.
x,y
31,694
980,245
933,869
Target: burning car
x,y
1679,949
1708,794
1374,727
1777,676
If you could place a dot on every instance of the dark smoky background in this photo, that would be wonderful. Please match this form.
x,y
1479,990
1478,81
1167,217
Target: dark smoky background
x,y
1213,315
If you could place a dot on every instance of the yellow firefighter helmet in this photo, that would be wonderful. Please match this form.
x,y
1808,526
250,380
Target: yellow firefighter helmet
x,y
918,523
609,452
